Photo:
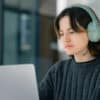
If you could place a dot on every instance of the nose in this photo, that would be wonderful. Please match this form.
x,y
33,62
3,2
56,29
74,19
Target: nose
x,y
66,37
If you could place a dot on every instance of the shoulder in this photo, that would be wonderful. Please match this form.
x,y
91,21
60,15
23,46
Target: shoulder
x,y
98,64
56,69
59,67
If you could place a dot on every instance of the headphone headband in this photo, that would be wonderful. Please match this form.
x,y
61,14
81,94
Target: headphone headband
x,y
88,10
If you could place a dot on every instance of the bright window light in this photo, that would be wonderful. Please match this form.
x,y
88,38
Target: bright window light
x,y
60,4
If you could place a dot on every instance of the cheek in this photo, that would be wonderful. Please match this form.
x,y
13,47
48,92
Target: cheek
x,y
81,43
81,39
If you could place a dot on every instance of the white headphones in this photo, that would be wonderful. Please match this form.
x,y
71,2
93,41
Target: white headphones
x,y
94,26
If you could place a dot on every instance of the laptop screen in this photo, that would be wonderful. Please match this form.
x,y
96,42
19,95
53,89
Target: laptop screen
x,y
18,82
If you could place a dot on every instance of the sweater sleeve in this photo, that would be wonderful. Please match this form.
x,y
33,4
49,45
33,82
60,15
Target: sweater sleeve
x,y
46,87
97,97
97,94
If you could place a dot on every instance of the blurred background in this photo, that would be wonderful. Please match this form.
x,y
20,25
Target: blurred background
x,y
27,32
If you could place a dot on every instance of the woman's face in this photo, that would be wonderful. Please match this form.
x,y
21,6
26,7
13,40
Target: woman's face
x,y
72,42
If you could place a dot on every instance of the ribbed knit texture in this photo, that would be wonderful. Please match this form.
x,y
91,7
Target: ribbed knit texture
x,y
68,80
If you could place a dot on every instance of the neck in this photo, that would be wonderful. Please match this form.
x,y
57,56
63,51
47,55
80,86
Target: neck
x,y
83,56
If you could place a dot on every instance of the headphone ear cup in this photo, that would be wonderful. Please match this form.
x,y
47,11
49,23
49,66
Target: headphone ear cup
x,y
94,32
94,26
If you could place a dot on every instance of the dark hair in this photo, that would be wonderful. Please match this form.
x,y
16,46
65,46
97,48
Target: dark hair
x,y
78,17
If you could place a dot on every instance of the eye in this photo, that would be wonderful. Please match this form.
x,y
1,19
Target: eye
x,y
72,31
61,33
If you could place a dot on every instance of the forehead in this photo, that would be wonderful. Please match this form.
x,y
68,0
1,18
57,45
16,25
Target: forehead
x,y
64,23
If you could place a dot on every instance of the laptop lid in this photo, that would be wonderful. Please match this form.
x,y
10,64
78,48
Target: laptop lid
x,y
18,82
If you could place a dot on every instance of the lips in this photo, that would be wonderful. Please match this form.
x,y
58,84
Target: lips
x,y
68,46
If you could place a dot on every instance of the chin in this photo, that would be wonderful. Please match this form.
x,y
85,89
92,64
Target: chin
x,y
70,53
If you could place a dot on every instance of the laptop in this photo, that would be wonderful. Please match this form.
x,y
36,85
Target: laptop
x,y
18,82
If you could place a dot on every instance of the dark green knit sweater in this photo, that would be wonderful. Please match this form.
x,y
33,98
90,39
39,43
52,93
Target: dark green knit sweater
x,y
68,80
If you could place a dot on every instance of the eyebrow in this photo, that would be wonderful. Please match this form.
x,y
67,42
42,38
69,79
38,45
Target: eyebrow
x,y
69,29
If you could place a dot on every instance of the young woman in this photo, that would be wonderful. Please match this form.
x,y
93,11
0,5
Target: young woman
x,y
79,77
